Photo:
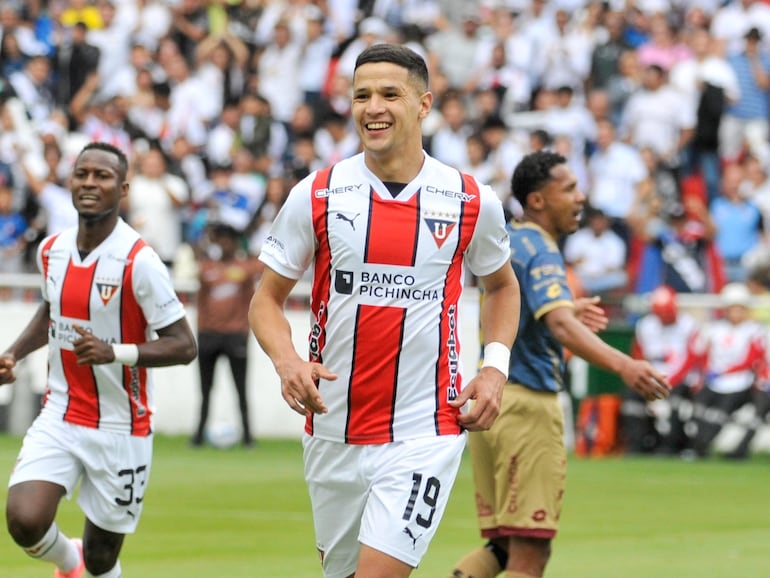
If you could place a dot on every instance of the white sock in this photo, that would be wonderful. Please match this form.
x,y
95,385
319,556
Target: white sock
x,y
114,573
57,548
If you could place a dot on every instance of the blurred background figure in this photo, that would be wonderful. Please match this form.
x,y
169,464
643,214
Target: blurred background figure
x,y
732,352
227,278
664,337
597,254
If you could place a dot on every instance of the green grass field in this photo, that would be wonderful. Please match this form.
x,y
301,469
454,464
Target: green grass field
x,y
245,514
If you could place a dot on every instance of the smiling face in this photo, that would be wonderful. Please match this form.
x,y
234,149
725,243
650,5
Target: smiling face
x,y
388,108
97,185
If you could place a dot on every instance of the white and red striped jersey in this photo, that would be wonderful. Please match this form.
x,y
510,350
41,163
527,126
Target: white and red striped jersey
x,y
387,280
734,354
121,292
669,347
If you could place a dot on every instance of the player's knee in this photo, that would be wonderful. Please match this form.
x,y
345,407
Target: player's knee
x,y
24,524
530,555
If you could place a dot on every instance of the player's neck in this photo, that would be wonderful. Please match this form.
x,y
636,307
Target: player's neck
x,y
537,219
401,168
92,232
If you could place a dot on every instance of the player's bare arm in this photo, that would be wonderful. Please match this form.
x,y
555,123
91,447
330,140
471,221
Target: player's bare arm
x,y
271,328
33,337
175,345
574,335
500,310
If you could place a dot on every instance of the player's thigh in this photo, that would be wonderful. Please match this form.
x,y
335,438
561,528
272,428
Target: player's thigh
x,y
117,472
337,496
48,454
410,485
530,463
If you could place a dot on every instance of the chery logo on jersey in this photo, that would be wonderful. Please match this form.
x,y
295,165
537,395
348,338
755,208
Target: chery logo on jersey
x,y
323,193
459,195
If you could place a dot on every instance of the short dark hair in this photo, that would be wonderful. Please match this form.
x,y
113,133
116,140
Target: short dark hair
x,y
398,55
533,172
112,149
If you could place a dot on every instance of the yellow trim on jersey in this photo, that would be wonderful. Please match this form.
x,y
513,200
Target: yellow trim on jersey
x,y
548,307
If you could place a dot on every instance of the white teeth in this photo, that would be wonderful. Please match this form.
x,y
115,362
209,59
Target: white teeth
x,y
377,125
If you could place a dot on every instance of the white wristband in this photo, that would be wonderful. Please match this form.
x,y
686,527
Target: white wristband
x,y
126,353
498,356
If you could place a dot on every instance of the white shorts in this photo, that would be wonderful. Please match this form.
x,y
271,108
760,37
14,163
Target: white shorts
x,y
113,469
390,497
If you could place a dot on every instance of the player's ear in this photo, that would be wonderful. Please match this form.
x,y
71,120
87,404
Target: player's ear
x,y
536,200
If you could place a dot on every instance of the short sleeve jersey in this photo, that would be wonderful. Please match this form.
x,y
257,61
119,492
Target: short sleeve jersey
x,y
120,292
388,274
537,358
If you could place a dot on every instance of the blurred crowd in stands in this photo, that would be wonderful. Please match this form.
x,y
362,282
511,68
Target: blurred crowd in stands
x,y
661,107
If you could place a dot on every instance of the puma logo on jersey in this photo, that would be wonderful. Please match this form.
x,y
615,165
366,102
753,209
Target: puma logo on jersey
x,y
414,538
351,220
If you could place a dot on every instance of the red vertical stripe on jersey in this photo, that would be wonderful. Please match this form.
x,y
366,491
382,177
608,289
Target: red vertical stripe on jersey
x,y
449,344
133,327
83,405
44,253
319,298
76,292
372,390
392,231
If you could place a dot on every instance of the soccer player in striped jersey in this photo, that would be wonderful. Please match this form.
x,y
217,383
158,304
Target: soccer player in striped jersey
x,y
105,294
388,234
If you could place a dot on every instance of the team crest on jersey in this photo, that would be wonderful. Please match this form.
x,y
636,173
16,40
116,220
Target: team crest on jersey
x,y
440,226
106,291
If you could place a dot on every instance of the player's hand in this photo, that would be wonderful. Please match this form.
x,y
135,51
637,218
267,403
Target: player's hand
x,y
299,386
645,380
486,389
589,313
7,363
89,349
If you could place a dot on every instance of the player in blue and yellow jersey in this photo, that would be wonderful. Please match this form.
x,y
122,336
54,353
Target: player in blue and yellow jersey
x,y
519,464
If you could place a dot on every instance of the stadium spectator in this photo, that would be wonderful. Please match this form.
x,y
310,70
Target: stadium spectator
x,y
616,171
679,250
33,87
738,223
190,25
597,254
449,142
658,116
665,338
662,49
710,83
89,419
50,193
282,90
13,227
733,350
363,389
458,50
74,61
226,278
744,125
154,202
732,20
566,56
519,465
605,57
